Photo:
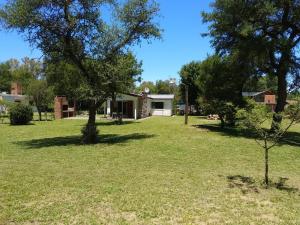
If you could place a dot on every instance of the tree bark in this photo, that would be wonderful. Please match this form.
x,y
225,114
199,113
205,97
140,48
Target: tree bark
x,y
281,100
90,132
267,166
186,116
40,113
282,93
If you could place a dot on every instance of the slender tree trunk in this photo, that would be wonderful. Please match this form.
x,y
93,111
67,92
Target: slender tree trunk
x,y
90,132
222,121
186,105
114,104
267,166
40,114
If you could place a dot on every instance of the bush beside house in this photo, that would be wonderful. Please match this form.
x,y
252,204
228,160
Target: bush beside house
x,y
20,114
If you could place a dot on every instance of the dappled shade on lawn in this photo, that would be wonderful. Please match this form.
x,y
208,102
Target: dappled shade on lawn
x,y
248,184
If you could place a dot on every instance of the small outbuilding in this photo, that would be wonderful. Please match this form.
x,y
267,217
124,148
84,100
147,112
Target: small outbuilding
x,y
264,97
63,108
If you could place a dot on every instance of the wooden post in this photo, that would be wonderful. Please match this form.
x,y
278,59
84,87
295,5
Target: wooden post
x,y
186,105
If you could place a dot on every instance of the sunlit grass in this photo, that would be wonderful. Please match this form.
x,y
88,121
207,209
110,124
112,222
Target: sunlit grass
x,y
155,171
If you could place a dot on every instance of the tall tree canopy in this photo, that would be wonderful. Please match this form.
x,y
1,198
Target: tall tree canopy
x,y
40,94
219,81
87,33
5,77
265,34
146,84
190,75
22,72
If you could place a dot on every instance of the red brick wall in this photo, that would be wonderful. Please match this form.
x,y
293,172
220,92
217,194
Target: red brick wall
x,y
58,104
16,89
270,99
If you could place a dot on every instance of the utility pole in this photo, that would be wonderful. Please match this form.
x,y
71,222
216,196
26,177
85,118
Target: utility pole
x,y
186,105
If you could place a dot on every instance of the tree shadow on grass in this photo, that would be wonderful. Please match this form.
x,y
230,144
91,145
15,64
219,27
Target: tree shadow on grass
x,y
245,184
112,123
290,138
76,140
248,184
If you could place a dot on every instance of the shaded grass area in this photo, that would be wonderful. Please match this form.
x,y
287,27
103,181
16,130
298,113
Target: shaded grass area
x,y
75,140
290,138
156,171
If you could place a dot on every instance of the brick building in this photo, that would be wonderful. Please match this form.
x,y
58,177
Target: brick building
x,y
63,108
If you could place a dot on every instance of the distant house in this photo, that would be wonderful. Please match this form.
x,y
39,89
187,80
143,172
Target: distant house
x,y
264,97
138,106
11,98
14,96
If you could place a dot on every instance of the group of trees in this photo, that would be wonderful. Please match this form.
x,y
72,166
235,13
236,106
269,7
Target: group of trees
x,y
90,35
86,45
30,74
256,48
158,87
263,39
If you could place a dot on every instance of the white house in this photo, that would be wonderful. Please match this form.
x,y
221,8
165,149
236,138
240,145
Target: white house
x,y
11,98
137,106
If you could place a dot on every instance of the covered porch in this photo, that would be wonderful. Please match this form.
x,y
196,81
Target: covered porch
x,y
126,106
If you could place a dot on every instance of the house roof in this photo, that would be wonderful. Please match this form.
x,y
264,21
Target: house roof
x,y
12,98
152,96
162,97
252,94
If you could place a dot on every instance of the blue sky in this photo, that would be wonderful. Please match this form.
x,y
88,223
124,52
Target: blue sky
x,y
162,59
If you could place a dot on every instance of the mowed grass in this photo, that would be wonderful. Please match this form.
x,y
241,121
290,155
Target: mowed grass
x,y
155,171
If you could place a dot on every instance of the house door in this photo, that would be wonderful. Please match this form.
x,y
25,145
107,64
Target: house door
x,y
130,109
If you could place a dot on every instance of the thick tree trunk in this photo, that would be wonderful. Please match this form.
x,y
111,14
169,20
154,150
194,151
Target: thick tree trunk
x,y
90,132
282,93
281,101
267,166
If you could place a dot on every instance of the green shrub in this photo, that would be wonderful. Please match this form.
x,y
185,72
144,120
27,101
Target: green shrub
x,y
225,110
20,114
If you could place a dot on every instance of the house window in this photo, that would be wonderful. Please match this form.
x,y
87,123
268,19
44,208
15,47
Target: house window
x,y
157,105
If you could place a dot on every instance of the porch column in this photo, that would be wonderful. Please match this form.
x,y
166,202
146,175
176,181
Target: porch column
x,y
108,110
135,109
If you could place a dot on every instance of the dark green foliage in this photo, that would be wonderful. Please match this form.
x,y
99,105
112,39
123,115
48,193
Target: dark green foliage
x,y
263,36
41,95
225,110
191,76
5,77
146,84
20,114
64,78
221,81
159,87
221,88
81,34
255,84
164,87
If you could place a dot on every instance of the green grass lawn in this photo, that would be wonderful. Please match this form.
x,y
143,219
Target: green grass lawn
x,y
155,171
